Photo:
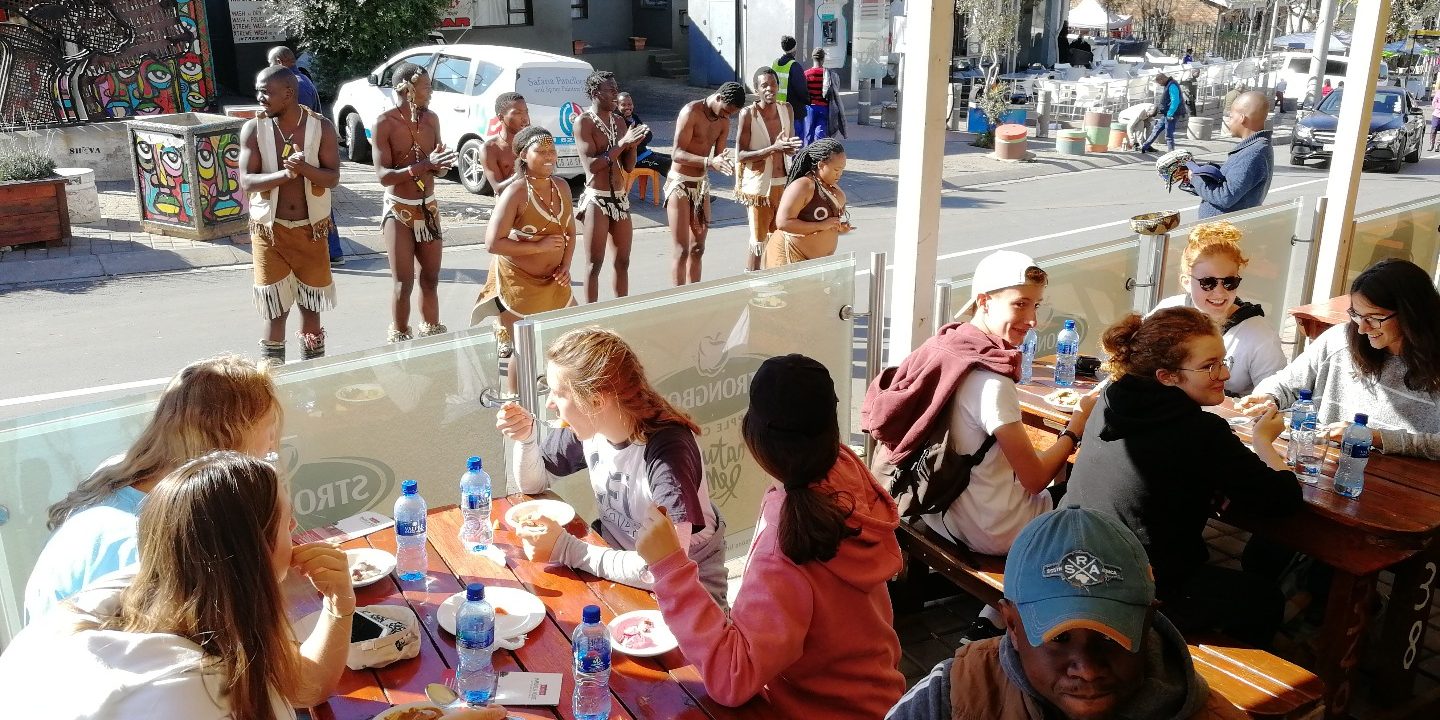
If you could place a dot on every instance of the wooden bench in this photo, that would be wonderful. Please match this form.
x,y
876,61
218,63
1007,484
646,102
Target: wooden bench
x,y
1256,682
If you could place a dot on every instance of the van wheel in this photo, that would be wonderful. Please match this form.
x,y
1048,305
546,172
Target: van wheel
x,y
357,146
471,168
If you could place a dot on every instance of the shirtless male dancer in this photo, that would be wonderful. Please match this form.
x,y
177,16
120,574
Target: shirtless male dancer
x,y
497,153
408,157
701,133
761,143
289,160
607,150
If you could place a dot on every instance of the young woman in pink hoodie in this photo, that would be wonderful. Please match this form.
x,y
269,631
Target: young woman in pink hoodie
x,y
811,629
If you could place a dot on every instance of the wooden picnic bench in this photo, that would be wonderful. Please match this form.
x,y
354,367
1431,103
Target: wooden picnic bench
x,y
1256,682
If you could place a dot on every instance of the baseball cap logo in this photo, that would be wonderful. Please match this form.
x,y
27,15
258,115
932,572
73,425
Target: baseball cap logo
x,y
1082,570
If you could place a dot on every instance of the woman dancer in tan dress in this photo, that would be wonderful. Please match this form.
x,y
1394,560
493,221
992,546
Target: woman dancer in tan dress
x,y
812,214
532,238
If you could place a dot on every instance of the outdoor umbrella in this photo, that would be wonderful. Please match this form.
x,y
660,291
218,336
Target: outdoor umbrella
x,y
1339,41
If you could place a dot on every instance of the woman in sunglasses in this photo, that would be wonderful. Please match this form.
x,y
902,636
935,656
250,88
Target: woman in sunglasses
x,y
1210,273
1385,362
1165,370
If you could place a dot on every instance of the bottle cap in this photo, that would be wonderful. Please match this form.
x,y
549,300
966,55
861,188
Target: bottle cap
x,y
473,464
409,487
1069,324
1361,418
474,592
1304,394
591,614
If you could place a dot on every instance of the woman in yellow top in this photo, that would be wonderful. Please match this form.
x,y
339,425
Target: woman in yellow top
x,y
532,238
812,214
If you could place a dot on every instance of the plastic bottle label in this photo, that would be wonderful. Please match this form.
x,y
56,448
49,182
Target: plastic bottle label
x,y
1357,450
472,501
472,640
593,657
410,527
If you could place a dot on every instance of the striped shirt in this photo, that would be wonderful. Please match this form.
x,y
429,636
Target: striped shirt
x,y
815,83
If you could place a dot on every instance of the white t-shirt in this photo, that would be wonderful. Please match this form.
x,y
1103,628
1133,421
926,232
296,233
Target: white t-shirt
x,y
53,671
1252,346
995,506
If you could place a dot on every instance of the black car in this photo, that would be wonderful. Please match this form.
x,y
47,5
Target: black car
x,y
1397,130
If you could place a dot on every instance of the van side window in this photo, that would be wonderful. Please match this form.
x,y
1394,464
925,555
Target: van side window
x,y
485,76
451,73
1335,67
421,59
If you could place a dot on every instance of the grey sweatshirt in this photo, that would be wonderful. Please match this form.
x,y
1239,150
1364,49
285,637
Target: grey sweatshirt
x,y
1408,421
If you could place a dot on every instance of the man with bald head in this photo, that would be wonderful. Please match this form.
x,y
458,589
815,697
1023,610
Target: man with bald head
x,y
1245,176
281,56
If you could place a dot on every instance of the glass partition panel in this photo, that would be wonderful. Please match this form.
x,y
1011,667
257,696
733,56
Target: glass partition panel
x,y
1405,231
1088,286
701,344
1267,234
355,426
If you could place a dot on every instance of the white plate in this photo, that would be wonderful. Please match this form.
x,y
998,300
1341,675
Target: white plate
x,y
558,511
1060,406
360,392
383,562
524,611
395,711
661,635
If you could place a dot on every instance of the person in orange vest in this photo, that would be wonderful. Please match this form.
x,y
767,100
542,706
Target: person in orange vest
x,y
792,83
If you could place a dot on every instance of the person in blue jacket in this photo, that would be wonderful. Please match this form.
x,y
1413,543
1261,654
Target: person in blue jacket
x,y
1173,105
1248,169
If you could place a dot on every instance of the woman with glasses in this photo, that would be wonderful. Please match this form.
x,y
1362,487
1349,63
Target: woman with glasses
x,y
1385,362
1210,273
1165,369
812,214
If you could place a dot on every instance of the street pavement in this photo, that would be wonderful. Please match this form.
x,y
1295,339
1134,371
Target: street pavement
x,y
100,336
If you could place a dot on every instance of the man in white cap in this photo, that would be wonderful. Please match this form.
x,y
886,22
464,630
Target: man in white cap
x,y
966,376
1083,638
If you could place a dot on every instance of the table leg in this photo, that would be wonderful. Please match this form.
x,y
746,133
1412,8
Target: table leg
x,y
1403,633
1345,620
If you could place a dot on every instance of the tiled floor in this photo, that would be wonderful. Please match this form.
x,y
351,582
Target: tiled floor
x,y
933,633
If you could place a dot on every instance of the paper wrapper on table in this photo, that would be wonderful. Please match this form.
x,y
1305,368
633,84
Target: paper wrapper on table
x,y
399,639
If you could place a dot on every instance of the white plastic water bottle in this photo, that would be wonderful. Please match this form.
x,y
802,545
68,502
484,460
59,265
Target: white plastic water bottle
x,y
1027,355
475,676
410,561
1304,454
476,532
591,645
1354,454
1067,352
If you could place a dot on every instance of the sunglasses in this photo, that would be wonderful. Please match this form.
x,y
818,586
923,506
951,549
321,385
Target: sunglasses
x,y
1208,283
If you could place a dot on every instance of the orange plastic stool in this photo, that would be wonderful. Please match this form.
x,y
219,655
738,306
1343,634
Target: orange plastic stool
x,y
647,178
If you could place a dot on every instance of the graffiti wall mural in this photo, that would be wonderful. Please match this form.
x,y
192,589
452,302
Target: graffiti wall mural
x,y
217,158
164,190
66,62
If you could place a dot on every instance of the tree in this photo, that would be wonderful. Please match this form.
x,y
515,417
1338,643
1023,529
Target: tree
x,y
1408,14
994,23
1157,20
350,37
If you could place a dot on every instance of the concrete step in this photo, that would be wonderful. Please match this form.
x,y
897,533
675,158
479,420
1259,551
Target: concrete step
x,y
669,64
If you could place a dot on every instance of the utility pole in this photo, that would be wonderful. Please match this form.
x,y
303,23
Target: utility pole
x,y
1321,47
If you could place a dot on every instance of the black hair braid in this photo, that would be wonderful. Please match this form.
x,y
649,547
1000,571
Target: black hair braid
x,y
524,139
811,156
595,80
733,93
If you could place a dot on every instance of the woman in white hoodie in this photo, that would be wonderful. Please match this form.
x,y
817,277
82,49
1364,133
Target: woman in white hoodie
x,y
1210,273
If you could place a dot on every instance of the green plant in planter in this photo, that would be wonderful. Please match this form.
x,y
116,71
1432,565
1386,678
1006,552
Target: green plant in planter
x,y
24,162
994,103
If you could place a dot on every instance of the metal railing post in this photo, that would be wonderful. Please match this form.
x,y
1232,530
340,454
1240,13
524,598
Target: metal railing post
x,y
1149,269
874,332
941,318
524,367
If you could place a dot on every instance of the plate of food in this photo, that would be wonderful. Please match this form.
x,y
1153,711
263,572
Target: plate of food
x,y
556,510
516,611
413,711
360,392
1064,399
369,565
641,633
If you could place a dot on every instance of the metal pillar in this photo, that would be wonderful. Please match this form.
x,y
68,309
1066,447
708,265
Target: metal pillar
x,y
874,332
1321,48
524,367
942,306
1149,270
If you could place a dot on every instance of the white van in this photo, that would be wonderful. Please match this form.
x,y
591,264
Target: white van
x,y
466,80
1294,68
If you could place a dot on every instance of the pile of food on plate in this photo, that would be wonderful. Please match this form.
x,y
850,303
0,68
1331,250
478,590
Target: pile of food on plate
x,y
362,571
421,713
1064,397
638,634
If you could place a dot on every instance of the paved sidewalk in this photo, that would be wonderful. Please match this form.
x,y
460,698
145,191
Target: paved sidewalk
x,y
117,246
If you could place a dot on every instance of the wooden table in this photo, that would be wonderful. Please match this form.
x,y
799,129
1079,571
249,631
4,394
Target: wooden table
x,y
667,686
1394,524
1318,317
